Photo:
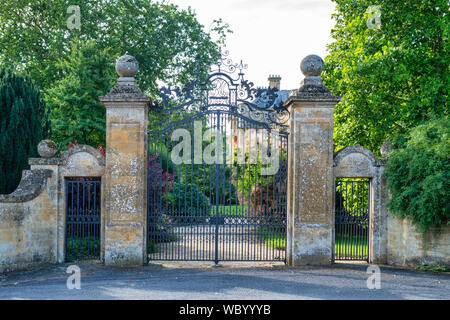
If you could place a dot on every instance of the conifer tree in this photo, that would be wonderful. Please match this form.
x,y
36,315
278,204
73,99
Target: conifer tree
x,y
23,123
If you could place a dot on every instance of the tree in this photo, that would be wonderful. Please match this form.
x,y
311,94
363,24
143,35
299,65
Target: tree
x,y
76,112
392,78
418,175
169,43
23,123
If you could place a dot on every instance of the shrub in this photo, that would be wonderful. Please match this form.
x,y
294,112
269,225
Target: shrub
x,y
163,159
248,178
418,175
262,193
186,199
159,181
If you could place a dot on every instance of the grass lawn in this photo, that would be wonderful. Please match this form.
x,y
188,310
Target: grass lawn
x,y
277,242
433,268
350,247
273,239
229,211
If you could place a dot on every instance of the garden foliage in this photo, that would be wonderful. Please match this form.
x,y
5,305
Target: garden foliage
x,y
418,175
76,111
391,78
187,199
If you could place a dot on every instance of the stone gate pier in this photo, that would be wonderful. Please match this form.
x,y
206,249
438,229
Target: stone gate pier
x,y
124,206
310,169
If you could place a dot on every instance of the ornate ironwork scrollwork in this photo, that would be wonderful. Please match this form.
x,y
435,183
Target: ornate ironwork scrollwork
x,y
226,89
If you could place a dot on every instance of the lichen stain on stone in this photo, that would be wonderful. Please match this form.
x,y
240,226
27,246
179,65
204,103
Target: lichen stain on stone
x,y
14,215
124,199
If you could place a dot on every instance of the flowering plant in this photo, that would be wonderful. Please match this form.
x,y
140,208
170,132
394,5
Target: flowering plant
x,y
71,144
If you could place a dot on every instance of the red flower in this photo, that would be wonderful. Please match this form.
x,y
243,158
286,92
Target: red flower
x,y
101,150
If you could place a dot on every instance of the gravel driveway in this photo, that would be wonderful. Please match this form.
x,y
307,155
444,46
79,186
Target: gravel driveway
x,y
198,281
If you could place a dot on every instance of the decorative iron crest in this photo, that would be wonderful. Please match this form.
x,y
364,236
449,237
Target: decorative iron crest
x,y
225,90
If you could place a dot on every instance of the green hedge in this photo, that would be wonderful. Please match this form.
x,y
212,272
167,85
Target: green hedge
x,y
418,175
186,199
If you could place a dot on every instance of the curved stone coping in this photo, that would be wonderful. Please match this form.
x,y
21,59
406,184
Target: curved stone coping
x,y
84,148
63,160
341,154
30,187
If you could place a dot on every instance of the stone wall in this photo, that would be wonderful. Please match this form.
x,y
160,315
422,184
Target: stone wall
x,y
28,222
407,246
32,218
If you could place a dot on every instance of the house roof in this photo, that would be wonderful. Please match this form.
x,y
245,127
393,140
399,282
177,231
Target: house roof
x,y
262,100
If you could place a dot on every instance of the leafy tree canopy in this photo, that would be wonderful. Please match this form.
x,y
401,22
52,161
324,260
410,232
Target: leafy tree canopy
x,y
74,66
76,111
168,42
392,78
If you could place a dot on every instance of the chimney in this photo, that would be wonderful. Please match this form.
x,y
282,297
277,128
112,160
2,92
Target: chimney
x,y
274,82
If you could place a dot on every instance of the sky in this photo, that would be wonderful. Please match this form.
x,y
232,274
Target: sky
x,y
270,36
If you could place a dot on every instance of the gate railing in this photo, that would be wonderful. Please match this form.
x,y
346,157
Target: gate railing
x,y
225,208
352,219
83,206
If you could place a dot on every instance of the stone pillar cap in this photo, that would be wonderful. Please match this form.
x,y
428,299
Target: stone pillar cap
x,y
47,149
312,88
127,66
312,65
126,89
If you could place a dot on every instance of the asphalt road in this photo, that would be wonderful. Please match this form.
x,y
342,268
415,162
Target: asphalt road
x,y
237,281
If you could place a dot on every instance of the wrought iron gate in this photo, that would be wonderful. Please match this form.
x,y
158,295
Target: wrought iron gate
x,y
222,195
352,219
83,218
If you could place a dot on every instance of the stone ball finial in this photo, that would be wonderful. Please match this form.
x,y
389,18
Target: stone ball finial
x,y
312,65
47,148
127,66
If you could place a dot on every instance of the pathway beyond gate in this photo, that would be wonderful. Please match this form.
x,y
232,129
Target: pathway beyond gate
x,y
197,242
